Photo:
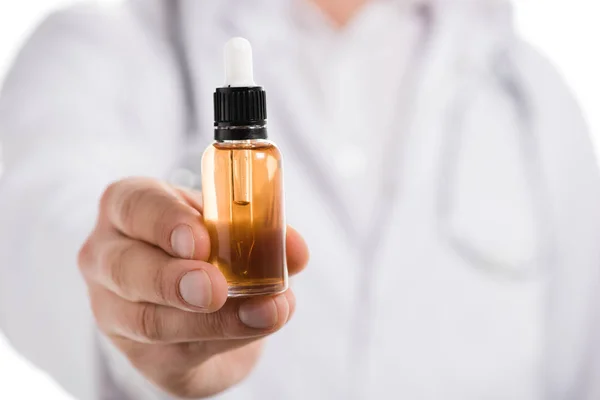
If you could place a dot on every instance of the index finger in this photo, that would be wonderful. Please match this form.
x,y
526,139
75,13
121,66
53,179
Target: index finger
x,y
151,211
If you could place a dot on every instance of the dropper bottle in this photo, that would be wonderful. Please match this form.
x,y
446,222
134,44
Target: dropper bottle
x,y
242,184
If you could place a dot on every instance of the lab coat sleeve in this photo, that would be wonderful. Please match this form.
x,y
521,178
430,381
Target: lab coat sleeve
x,y
572,181
93,96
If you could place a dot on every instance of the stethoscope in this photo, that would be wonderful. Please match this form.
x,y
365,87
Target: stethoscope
x,y
504,74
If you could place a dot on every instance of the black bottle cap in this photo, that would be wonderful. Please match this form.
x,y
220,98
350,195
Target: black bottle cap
x,y
240,113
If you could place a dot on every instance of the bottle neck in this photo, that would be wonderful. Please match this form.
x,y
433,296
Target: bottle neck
x,y
240,132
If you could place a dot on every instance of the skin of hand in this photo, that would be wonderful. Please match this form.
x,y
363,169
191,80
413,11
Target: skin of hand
x,y
158,300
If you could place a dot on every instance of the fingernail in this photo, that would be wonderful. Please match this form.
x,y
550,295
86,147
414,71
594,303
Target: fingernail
x,y
196,289
259,314
182,242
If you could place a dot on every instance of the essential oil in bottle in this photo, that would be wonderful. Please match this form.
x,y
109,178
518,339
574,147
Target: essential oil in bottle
x,y
242,184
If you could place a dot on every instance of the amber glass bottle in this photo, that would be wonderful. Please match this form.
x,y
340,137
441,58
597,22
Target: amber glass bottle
x,y
242,186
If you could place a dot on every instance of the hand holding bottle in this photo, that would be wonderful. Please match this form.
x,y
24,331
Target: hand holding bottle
x,y
155,296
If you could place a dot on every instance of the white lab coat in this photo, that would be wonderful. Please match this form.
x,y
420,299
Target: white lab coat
x,y
395,311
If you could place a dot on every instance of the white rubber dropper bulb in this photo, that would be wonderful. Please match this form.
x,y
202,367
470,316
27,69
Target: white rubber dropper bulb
x,y
238,63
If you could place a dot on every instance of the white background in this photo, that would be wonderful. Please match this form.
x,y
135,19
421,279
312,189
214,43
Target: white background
x,y
566,30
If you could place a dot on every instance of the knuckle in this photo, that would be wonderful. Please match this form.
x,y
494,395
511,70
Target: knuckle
x,y
113,264
149,326
109,194
97,306
129,205
162,225
85,256
213,324
163,288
